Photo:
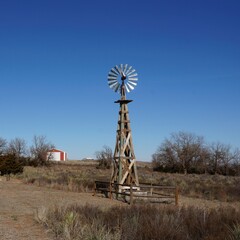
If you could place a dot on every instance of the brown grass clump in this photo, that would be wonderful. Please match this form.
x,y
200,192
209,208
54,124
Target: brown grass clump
x,y
143,222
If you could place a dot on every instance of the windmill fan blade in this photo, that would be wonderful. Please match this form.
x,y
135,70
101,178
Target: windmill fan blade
x,y
114,71
111,84
112,74
132,71
125,68
116,87
133,83
131,87
132,79
133,75
121,67
126,87
129,69
117,69
112,78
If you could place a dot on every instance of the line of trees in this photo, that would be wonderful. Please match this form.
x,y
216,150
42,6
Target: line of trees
x,y
188,153
15,154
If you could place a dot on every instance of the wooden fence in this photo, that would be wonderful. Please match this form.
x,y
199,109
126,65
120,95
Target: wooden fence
x,y
146,192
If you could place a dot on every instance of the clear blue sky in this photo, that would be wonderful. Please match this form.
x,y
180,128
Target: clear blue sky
x,y
55,57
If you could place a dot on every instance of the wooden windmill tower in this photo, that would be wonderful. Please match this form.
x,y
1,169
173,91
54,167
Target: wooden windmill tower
x,y
123,78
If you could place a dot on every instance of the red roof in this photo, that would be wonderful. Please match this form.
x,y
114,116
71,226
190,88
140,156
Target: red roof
x,y
55,150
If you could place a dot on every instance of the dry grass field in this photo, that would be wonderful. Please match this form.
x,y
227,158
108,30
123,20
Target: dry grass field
x,y
56,202
79,176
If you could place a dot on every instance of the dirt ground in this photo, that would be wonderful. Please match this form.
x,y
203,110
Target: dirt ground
x,y
19,204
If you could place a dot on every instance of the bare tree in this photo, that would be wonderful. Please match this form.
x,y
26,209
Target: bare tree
x,y
223,158
40,148
203,161
165,158
188,153
18,147
105,157
182,151
188,148
229,158
217,154
3,145
236,162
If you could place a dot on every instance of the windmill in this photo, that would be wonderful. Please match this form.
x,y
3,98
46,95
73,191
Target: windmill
x,y
122,78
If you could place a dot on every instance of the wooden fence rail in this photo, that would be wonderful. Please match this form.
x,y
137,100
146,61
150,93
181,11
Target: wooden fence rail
x,y
143,191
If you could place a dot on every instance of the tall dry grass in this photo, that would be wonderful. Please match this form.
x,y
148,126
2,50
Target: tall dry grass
x,y
142,223
79,177
68,177
210,187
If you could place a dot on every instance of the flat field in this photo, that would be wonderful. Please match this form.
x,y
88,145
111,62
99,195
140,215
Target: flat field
x,y
25,200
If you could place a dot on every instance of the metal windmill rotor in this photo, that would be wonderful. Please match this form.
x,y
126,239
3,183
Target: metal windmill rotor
x,y
122,75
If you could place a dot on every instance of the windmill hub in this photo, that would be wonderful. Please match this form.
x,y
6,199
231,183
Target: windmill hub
x,y
123,77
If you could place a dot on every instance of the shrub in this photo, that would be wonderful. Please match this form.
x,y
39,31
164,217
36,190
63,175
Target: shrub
x,y
10,164
142,222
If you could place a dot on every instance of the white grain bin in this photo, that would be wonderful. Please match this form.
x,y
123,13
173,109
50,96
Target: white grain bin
x,y
57,155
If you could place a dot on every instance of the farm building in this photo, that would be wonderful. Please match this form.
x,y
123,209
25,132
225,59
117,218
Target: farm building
x,y
57,155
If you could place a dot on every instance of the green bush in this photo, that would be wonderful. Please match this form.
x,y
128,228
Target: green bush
x,y
10,164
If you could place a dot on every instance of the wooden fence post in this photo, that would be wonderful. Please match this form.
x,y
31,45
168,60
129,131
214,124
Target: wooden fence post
x,y
95,189
8,177
176,196
131,195
151,190
110,190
